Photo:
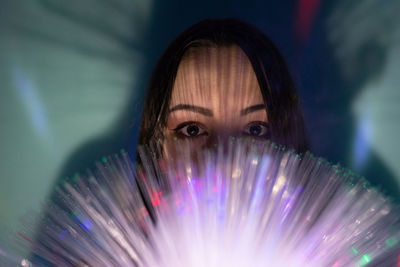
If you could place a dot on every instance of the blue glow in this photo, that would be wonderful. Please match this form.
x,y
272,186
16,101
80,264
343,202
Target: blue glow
x,y
181,210
28,92
259,187
361,142
87,224
62,234
192,181
209,201
221,212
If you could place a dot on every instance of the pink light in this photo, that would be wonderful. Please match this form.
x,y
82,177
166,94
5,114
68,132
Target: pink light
x,y
306,12
156,201
144,211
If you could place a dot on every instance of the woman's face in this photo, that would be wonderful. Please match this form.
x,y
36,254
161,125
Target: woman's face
x,y
215,95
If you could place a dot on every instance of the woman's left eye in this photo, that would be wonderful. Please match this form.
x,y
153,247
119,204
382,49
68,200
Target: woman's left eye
x,y
258,129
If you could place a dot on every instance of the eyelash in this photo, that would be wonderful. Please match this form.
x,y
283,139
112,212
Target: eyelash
x,y
181,127
184,127
265,130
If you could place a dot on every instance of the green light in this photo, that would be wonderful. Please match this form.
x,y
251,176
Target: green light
x,y
391,242
175,138
74,214
104,159
365,259
355,251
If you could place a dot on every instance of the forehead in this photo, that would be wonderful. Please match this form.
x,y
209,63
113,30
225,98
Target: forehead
x,y
218,78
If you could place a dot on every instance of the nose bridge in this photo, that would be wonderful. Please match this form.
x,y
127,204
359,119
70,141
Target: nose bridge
x,y
228,129
222,136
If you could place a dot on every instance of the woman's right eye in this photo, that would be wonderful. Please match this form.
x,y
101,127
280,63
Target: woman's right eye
x,y
190,129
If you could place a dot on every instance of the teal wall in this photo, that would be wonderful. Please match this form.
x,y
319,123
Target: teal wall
x,y
72,80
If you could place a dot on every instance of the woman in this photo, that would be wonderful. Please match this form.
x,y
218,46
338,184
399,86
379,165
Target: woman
x,y
218,78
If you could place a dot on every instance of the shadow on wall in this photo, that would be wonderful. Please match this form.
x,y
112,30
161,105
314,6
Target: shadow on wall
x,y
327,96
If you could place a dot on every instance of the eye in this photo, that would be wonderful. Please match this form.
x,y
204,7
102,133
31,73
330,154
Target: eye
x,y
190,129
257,129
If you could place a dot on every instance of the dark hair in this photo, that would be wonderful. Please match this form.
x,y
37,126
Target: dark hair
x,y
277,87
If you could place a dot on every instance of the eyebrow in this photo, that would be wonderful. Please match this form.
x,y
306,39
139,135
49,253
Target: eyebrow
x,y
197,109
250,109
209,113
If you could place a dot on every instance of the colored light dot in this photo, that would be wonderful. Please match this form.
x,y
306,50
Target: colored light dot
x,y
279,183
391,242
86,224
175,138
236,173
365,259
104,159
62,234
156,201
355,251
26,263
144,211
122,150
